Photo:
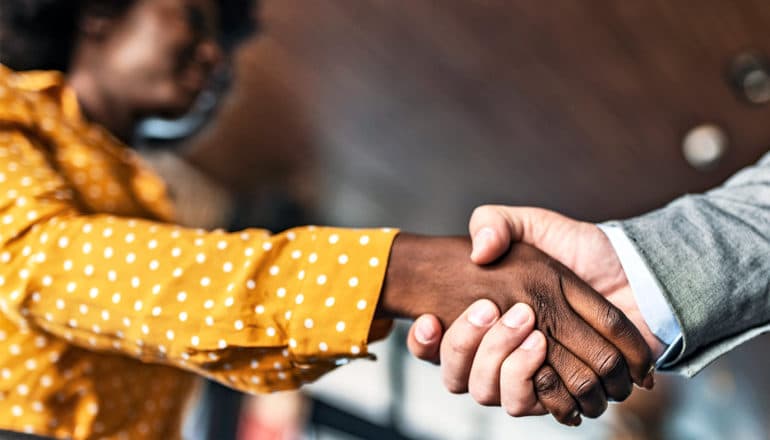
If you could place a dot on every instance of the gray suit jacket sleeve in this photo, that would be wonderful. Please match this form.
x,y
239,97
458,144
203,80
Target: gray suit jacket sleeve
x,y
711,254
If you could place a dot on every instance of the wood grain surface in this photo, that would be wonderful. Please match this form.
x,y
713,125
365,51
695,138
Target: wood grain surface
x,y
431,107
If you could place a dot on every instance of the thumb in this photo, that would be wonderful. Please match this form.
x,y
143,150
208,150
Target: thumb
x,y
490,232
494,227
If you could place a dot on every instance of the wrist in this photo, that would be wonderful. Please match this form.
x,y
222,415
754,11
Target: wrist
x,y
430,275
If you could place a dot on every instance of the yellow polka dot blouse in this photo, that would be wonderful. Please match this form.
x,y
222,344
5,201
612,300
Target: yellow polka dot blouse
x,y
107,309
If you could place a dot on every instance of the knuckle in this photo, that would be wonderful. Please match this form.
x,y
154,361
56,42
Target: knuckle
x,y
546,381
614,374
610,364
515,409
614,322
484,396
555,267
542,302
460,345
548,305
455,386
583,386
587,393
540,298
486,216
498,340
481,210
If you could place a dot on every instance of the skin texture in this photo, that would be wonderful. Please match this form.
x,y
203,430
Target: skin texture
x,y
594,352
578,245
119,81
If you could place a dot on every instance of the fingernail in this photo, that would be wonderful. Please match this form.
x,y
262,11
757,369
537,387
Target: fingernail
x,y
531,342
516,317
573,418
482,240
482,313
649,380
424,332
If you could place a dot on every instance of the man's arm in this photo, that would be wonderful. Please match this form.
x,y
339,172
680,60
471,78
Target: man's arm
x,y
708,255
711,255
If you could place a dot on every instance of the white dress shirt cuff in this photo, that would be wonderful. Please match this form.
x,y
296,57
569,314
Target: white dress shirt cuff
x,y
648,294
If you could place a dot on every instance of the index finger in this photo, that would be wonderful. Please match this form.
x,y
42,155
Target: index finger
x,y
461,342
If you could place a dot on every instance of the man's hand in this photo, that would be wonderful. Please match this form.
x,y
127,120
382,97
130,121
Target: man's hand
x,y
593,350
580,246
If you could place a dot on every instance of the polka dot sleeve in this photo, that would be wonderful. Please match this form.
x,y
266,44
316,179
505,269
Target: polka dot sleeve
x,y
255,311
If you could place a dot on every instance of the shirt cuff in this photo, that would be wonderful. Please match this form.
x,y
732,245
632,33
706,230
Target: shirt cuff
x,y
648,294
341,283
671,353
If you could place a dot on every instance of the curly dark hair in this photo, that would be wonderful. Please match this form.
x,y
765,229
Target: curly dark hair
x,y
41,34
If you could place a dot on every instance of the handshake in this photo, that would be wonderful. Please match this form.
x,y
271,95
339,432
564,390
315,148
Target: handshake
x,y
571,337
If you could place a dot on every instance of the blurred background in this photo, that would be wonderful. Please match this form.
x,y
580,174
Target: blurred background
x,y
409,113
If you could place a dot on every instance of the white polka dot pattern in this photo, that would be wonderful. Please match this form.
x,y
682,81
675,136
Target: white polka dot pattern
x,y
78,263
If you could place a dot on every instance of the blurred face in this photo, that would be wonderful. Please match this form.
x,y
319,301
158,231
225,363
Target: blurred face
x,y
157,57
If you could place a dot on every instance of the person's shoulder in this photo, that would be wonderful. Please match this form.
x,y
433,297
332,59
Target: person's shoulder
x,y
6,82
32,81
14,108
25,96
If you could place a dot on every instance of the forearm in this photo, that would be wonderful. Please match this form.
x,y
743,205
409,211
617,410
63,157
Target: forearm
x,y
709,253
182,297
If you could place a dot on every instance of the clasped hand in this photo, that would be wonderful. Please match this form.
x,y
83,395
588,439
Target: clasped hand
x,y
562,348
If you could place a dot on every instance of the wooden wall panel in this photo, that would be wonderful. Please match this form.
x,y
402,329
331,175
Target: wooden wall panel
x,y
434,106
